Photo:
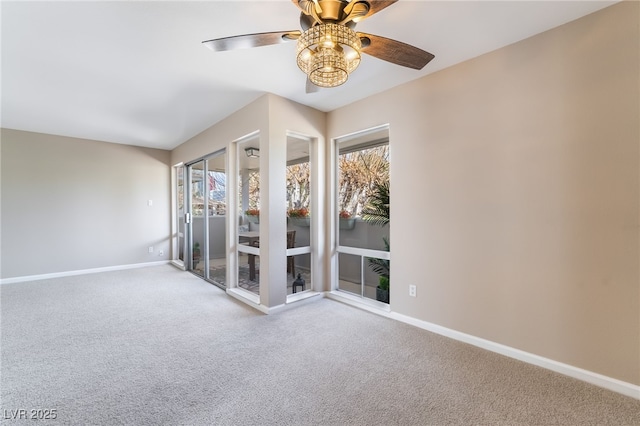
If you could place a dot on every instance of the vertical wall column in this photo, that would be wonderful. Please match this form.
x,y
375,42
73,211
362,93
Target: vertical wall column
x,y
319,221
273,219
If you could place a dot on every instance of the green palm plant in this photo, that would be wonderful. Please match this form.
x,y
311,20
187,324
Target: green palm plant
x,y
376,212
381,267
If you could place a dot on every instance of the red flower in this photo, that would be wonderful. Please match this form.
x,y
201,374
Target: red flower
x,y
301,212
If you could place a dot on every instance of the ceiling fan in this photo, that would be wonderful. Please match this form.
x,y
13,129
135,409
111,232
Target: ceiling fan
x,y
328,48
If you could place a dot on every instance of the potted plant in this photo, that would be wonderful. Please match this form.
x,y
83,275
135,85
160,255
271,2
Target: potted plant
x,y
382,291
253,215
298,216
382,268
346,220
377,213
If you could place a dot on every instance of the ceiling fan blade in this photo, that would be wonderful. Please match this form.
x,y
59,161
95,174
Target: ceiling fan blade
x,y
394,51
251,40
297,3
375,6
310,87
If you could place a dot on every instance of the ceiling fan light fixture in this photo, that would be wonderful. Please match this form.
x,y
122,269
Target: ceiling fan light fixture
x,y
328,53
328,49
329,68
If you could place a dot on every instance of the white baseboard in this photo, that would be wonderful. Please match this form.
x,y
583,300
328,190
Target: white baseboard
x,y
248,298
600,380
253,300
356,301
610,383
80,272
178,264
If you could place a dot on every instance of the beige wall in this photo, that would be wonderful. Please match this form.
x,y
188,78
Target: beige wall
x,y
72,204
515,192
253,117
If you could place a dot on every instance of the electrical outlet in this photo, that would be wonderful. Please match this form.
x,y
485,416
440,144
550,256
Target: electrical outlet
x,y
151,249
160,252
412,290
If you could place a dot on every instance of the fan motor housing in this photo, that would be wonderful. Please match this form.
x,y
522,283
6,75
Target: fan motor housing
x,y
333,11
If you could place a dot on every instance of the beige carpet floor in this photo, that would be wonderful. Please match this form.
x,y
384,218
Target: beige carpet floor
x,y
158,346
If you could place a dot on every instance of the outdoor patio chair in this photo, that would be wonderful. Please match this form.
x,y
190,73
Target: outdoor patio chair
x,y
291,243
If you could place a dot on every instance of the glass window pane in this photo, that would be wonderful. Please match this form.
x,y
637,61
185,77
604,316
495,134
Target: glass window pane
x,y
249,187
249,272
216,186
197,196
298,273
249,213
362,180
298,207
363,212
376,279
349,273
298,190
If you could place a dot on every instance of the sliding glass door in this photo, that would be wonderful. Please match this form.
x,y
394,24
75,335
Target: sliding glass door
x,y
195,220
206,218
179,242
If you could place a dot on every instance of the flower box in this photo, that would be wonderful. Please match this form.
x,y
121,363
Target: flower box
x,y
349,223
253,215
300,221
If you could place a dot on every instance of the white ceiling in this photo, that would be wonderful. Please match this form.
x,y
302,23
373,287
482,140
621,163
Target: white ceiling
x,y
135,72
